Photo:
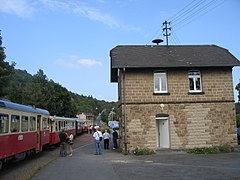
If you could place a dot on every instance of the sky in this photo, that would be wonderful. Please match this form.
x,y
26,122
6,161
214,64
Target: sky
x,y
70,40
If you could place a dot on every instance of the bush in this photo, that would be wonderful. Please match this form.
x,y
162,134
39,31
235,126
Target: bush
x,y
145,151
211,150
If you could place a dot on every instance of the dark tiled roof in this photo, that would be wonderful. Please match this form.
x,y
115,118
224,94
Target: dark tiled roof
x,y
140,56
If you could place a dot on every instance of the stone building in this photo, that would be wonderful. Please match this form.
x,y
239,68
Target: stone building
x,y
175,97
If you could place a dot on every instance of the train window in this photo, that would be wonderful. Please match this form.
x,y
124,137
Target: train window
x,y
56,126
73,124
44,123
61,125
32,123
15,123
4,123
24,123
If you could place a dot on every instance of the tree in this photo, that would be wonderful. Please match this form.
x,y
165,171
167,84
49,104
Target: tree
x,y
17,86
5,70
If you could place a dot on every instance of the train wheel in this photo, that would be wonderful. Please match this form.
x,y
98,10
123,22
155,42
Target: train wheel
x,y
20,156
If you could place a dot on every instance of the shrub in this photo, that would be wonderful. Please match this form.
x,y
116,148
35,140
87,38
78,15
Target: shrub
x,y
211,150
144,151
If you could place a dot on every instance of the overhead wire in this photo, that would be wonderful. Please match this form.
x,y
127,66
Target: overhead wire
x,y
189,10
180,10
196,17
175,37
195,13
189,13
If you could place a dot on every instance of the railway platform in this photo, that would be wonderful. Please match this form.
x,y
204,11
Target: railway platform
x,y
113,165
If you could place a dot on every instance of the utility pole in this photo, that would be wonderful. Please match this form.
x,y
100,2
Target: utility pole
x,y
165,29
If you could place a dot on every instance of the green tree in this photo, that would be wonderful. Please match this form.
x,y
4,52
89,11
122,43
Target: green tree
x,y
34,92
19,80
60,102
5,70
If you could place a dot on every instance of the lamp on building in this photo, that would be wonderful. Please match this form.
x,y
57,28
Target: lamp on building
x,y
162,106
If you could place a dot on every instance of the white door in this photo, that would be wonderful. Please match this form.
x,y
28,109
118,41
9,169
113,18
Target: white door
x,y
163,132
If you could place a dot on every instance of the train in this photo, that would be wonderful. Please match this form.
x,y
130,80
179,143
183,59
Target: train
x,y
26,130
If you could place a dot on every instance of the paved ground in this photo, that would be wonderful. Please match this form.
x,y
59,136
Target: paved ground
x,y
112,165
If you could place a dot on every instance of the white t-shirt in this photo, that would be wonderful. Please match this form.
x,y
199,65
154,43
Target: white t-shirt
x,y
97,135
106,135
71,137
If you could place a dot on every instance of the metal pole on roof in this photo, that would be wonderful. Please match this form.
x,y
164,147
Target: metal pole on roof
x,y
166,28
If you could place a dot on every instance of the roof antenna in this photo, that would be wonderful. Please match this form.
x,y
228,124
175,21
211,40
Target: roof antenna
x,y
157,41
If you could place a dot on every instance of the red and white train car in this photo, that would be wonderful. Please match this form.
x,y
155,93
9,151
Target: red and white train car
x,y
57,124
23,130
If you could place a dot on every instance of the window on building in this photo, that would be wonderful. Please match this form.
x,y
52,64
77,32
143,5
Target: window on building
x,y
24,123
32,123
15,123
195,84
4,123
160,82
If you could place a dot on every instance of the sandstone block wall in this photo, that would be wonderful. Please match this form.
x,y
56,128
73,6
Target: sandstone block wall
x,y
195,120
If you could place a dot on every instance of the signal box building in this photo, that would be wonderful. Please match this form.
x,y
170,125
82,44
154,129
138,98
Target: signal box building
x,y
174,97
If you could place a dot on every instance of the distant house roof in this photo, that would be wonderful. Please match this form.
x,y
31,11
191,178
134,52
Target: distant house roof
x,y
158,56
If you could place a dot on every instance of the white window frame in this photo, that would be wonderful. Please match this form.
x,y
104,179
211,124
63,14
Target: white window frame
x,y
195,76
160,77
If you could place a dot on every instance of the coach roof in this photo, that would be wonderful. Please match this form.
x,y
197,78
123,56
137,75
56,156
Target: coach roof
x,y
157,56
20,107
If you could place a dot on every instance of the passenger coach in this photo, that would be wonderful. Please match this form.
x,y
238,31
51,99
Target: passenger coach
x,y
57,124
26,129
23,130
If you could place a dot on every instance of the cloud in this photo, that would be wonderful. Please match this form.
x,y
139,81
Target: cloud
x,y
21,8
88,62
26,8
73,62
81,9
96,15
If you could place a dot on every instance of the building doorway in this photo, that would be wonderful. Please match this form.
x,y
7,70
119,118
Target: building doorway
x,y
162,124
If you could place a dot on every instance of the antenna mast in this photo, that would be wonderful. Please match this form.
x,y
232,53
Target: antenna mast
x,y
166,28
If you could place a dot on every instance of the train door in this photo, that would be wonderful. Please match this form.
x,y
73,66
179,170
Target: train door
x,y
162,124
39,133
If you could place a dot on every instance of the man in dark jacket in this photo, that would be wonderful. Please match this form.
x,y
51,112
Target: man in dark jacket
x,y
63,145
115,138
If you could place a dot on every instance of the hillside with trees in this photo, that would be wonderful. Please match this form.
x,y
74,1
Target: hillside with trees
x,y
37,90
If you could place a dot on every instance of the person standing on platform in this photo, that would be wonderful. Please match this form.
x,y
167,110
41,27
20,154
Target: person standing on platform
x,y
106,139
115,138
98,137
70,142
63,143
90,129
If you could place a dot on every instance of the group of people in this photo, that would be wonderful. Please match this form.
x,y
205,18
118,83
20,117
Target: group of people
x,y
66,144
98,136
67,141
